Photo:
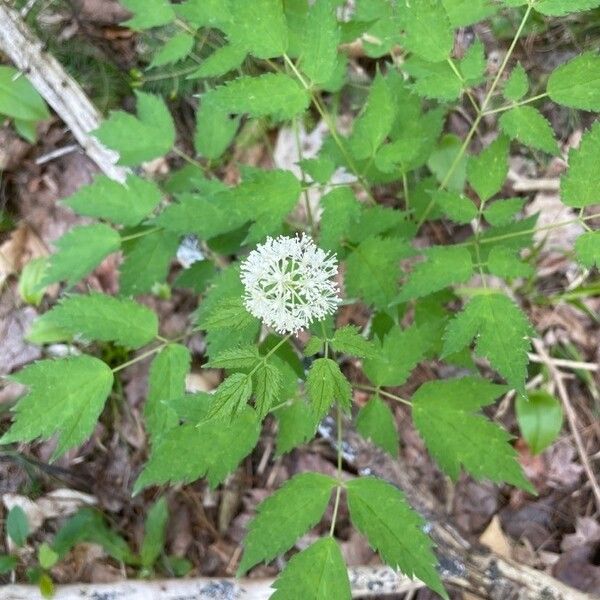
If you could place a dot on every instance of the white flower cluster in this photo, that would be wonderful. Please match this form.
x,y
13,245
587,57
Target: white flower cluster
x,y
288,283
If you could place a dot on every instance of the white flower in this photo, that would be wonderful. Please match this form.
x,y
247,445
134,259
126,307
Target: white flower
x,y
288,283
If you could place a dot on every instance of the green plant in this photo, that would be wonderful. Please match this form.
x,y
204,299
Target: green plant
x,y
283,61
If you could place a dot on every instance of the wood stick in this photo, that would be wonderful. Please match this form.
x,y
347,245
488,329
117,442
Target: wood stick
x,y
59,90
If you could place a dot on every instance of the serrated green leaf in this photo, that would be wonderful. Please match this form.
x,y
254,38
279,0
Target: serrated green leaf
x,y
380,512
457,207
267,388
349,341
373,269
443,157
203,13
258,26
296,425
139,139
79,252
148,13
445,266
577,83
433,80
473,65
398,354
215,129
319,48
211,449
340,210
375,121
18,98
540,419
32,274
446,414
274,94
503,262
325,383
126,204
314,346
166,383
580,186
235,358
17,525
65,398
295,508
155,531
230,314
503,211
221,61
487,171
467,12
231,396
558,8
517,85
380,220
483,317
527,125
428,33
319,169
146,262
174,50
99,317
375,421
316,573
587,248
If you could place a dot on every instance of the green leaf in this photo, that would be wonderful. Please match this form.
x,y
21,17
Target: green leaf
x,y
446,415
215,129
558,8
26,129
221,61
527,125
474,63
32,274
17,526
540,419
341,210
259,26
231,396
398,354
314,346
88,525
577,83
230,314
455,206
373,269
174,50
267,387
579,186
235,358
587,248
319,48
166,383
18,98
295,508
487,171
463,13
503,211
65,398
296,425
326,383
99,317
316,573
46,556
445,266
139,139
349,341
147,261
274,94
428,33
8,563
517,85
433,80
380,512
443,157
79,252
211,449
375,421
482,319
126,204
155,533
375,121
148,13
319,169
504,262
202,13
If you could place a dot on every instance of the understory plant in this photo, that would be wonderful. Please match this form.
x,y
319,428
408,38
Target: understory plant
x,y
272,269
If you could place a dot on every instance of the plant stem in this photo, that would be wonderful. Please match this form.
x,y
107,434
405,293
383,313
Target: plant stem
x,y
378,390
305,186
494,111
139,234
338,491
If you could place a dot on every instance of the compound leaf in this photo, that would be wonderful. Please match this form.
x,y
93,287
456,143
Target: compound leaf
x,y
527,125
326,383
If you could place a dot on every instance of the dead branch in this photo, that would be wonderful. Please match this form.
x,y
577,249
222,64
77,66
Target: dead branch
x,y
59,90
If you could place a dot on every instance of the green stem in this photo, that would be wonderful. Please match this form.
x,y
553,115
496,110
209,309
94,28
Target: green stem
x,y
139,234
338,492
378,390
494,111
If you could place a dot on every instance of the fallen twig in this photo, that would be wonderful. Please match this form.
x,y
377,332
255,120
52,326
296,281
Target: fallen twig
x,y
59,90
